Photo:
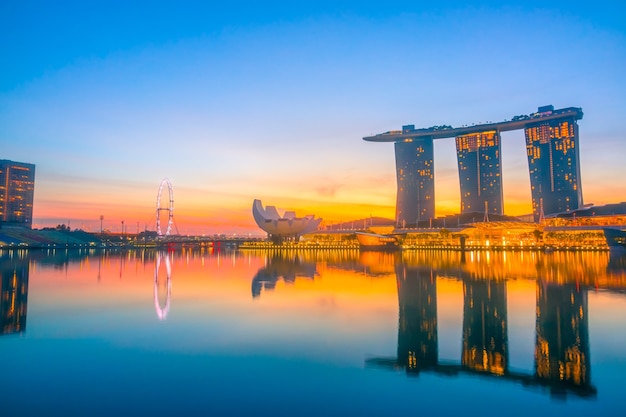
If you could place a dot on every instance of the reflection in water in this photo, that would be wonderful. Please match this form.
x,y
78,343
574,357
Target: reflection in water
x,y
562,341
13,293
162,312
281,265
617,267
562,344
561,352
485,326
417,324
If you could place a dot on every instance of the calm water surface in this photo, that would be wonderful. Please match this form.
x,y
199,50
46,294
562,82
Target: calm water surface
x,y
319,333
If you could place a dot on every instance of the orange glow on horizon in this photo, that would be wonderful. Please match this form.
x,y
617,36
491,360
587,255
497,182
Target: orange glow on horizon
x,y
204,212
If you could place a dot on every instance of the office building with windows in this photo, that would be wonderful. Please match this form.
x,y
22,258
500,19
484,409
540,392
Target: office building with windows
x,y
480,172
17,190
415,200
554,166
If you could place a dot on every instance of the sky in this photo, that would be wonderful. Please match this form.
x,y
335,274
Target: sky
x,y
271,100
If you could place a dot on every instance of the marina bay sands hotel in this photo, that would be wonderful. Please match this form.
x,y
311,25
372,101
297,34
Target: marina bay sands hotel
x,y
553,164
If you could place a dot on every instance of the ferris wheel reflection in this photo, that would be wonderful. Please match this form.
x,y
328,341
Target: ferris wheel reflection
x,y
162,312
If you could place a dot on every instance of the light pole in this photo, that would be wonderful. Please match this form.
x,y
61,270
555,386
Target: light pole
x,y
101,218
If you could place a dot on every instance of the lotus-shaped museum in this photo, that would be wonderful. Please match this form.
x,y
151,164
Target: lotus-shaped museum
x,y
287,226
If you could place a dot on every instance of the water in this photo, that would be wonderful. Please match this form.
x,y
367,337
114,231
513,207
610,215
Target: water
x,y
311,333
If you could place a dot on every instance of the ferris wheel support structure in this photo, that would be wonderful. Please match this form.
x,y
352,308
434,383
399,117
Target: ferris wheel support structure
x,y
169,208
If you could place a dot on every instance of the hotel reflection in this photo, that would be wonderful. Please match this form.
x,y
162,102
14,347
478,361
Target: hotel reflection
x,y
562,345
561,353
417,322
13,295
485,346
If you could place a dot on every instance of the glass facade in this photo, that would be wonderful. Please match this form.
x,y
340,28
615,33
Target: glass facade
x,y
554,167
480,172
17,189
416,181
553,163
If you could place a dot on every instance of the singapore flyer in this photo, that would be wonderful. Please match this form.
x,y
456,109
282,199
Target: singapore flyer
x,y
169,209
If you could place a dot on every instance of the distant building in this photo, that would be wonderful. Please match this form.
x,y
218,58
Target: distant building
x,y
480,172
17,189
554,165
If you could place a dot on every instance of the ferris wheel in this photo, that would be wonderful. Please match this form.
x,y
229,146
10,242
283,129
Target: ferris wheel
x,y
169,208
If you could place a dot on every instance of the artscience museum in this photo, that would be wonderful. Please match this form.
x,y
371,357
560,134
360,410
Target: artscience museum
x,y
285,227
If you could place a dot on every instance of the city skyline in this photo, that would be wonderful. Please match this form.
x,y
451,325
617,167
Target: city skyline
x,y
272,102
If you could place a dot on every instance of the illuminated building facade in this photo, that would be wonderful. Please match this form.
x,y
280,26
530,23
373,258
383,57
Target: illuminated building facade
x,y
485,344
13,295
17,189
285,227
417,323
562,344
553,163
480,172
554,166
415,174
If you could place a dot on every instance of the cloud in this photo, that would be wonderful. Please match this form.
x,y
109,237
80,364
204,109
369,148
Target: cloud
x,y
328,190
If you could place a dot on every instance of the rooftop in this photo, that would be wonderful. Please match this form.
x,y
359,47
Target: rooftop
x,y
544,113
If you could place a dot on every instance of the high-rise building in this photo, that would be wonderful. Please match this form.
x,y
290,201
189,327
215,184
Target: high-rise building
x,y
553,164
17,189
480,172
415,173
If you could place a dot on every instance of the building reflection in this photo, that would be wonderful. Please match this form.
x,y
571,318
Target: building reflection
x,y
417,323
14,272
281,266
616,268
562,341
485,346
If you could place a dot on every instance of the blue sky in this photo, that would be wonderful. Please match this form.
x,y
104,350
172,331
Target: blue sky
x,y
240,101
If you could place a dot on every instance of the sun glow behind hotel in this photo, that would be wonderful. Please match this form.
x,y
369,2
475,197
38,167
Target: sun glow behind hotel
x,y
553,164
